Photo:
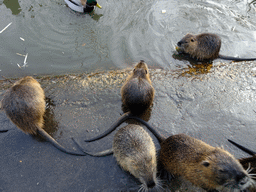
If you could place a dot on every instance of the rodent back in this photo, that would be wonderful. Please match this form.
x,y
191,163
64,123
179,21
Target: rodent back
x,y
24,104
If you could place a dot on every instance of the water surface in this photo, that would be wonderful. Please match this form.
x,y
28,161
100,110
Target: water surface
x,y
58,40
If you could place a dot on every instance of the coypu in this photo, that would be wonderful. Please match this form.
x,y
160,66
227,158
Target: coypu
x,y
210,168
204,46
137,96
135,152
24,105
249,161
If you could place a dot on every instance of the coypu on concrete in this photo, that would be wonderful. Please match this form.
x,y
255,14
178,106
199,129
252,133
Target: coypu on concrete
x,y
204,46
135,152
211,168
137,96
24,104
249,162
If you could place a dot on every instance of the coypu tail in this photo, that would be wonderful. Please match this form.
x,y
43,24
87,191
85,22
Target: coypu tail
x,y
123,118
159,137
119,121
250,152
45,135
235,58
4,130
98,154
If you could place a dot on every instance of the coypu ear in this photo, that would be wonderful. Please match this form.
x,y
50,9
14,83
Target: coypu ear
x,y
206,163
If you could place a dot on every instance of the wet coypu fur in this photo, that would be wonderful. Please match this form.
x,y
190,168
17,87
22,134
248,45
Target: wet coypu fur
x,y
210,168
24,104
137,95
135,152
204,46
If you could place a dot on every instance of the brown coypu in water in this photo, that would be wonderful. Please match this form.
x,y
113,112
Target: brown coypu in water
x,y
24,104
135,152
204,46
137,96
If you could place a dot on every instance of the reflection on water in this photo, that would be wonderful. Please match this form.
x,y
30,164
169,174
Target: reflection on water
x,y
13,5
50,123
195,69
59,40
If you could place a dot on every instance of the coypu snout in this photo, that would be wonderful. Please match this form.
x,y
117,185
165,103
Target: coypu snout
x,y
151,184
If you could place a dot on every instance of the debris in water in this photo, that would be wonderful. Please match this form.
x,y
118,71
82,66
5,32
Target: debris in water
x,y
163,11
20,54
18,65
25,60
22,39
5,27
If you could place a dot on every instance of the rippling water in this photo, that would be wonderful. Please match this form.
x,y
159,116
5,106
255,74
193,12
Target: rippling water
x,y
58,40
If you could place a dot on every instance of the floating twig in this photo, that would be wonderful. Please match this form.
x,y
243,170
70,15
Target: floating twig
x,y
20,54
5,27
25,60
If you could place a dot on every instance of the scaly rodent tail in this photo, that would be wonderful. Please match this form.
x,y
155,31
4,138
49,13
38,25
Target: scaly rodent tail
x,y
119,121
250,152
235,58
159,137
45,135
98,154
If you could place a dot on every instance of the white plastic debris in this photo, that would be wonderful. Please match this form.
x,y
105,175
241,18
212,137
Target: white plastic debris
x,y
5,27
163,11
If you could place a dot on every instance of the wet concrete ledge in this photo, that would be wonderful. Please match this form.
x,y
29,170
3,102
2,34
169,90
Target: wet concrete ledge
x,y
211,103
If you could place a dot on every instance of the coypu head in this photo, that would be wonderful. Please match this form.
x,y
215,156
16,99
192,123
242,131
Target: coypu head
x,y
205,46
141,70
221,170
144,169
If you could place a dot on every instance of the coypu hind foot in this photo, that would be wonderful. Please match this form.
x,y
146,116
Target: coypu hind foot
x,y
204,46
24,105
137,96
210,168
135,152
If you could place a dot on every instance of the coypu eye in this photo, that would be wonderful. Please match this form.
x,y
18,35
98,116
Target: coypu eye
x,y
192,40
206,163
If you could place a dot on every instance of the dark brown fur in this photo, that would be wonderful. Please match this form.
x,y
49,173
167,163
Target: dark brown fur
x,y
203,165
24,104
137,96
204,46
137,92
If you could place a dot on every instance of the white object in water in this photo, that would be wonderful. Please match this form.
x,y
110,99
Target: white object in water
x,y
79,7
163,11
5,27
